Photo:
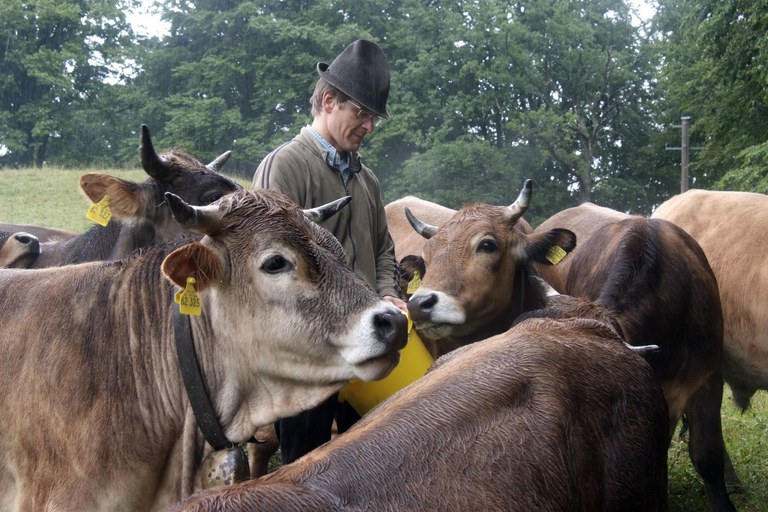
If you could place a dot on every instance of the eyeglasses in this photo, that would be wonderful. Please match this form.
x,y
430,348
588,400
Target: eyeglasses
x,y
363,114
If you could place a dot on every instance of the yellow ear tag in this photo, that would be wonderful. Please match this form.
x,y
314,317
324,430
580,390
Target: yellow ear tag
x,y
414,283
100,212
188,299
555,254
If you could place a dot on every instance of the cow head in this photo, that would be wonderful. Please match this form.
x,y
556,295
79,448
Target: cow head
x,y
269,275
177,172
478,276
18,250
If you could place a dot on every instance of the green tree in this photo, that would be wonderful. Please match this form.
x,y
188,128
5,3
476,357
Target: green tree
x,y
716,71
56,57
571,81
238,75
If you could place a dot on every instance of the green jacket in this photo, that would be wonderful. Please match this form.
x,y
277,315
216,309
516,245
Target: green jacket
x,y
298,169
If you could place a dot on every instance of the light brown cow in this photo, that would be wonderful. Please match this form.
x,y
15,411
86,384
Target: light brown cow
x,y
407,241
18,249
140,215
731,229
656,281
554,414
96,416
479,274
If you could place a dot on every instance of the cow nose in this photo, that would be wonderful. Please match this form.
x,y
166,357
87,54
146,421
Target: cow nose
x,y
392,329
420,306
28,240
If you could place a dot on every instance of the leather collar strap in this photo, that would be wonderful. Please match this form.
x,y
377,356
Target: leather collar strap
x,y
193,382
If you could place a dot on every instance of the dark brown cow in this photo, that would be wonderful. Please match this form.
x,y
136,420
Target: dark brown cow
x,y
43,234
140,214
554,414
96,416
478,272
18,249
656,281
731,229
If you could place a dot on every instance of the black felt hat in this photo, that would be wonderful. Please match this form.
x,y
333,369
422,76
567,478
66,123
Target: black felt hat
x,y
361,72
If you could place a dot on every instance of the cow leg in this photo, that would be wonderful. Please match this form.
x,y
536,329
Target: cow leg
x,y
732,479
706,446
261,452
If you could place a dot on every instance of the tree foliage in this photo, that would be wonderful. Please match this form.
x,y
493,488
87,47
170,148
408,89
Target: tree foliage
x,y
485,93
56,58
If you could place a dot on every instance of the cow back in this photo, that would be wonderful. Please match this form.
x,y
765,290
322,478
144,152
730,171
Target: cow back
x,y
730,228
657,282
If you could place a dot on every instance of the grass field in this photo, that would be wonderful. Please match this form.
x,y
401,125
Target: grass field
x,y
51,197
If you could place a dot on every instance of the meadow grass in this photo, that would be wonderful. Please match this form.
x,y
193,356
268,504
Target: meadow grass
x,y
746,439
51,197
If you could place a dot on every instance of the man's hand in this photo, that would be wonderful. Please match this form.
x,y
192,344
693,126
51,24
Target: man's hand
x,y
396,301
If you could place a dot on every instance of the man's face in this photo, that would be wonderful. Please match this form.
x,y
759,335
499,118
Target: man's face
x,y
348,124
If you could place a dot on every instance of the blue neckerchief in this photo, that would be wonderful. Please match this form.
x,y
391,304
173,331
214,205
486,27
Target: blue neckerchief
x,y
334,159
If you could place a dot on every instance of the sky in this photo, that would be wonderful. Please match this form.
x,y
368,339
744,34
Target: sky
x,y
147,23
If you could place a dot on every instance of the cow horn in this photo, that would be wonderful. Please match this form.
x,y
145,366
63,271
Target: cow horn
x,y
203,219
425,230
219,161
151,162
320,213
642,349
518,208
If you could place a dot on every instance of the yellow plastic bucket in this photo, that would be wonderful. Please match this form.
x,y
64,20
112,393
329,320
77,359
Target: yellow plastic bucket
x,y
415,360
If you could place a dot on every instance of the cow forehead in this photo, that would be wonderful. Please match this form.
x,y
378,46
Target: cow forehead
x,y
183,167
272,213
472,223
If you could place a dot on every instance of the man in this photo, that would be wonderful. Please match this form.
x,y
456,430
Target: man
x,y
321,164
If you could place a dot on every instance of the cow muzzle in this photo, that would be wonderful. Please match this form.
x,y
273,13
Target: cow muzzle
x,y
435,314
375,351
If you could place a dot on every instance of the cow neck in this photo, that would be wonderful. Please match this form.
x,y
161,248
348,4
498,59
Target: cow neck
x,y
228,464
193,382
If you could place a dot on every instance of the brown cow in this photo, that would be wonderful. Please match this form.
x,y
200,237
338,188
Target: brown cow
x,y
554,414
43,234
730,228
18,249
140,214
96,415
656,281
478,272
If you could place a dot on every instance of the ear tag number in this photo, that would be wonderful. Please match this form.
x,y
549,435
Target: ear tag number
x,y
555,254
100,212
414,283
188,299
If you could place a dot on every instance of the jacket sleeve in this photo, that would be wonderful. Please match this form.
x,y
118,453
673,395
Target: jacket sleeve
x,y
385,256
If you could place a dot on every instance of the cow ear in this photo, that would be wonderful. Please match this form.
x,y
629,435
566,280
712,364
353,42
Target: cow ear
x,y
549,247
124,197
193,260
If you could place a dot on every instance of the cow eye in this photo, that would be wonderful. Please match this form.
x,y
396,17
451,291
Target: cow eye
x,y
487,246
276,264
211,197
